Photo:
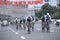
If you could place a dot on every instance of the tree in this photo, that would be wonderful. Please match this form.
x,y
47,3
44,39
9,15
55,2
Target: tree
x,y
48,8
58,4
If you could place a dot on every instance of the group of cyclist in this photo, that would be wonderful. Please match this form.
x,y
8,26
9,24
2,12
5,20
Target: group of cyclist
x,y
29,22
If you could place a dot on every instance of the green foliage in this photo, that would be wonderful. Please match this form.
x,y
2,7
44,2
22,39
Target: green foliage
x,y
58,17
59,3
48,8
53,10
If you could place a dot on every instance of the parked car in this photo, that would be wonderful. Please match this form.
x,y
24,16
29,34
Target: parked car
x,y
5,23
57,22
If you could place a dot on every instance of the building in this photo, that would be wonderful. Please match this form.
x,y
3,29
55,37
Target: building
x,y
18,8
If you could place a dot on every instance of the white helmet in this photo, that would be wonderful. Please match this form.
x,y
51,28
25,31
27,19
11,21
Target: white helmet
x,y
47,13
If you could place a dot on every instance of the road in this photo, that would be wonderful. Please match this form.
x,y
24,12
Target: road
x,y
10,33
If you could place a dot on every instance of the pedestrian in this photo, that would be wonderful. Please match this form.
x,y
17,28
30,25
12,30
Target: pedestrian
x,y
16,22
29,24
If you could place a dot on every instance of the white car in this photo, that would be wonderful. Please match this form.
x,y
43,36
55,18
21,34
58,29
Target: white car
x,y
5,23
57,22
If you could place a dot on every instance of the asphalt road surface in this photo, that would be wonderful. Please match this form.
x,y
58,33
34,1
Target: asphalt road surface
x,y
10,33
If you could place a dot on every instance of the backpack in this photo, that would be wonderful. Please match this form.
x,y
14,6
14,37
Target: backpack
x,y
47,17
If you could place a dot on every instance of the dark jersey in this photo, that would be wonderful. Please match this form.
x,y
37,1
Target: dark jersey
x,y
29,19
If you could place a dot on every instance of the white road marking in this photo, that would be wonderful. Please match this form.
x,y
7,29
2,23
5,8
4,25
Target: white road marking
x,y
16,33
13,30
22,37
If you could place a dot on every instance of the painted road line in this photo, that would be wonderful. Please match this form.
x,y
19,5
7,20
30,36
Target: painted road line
x,y
13,30
16,33
22,37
